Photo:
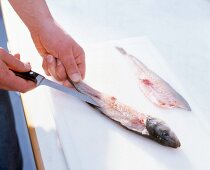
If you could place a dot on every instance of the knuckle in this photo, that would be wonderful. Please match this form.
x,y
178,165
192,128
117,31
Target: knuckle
x,y
80,59
71,65
77,49
72,68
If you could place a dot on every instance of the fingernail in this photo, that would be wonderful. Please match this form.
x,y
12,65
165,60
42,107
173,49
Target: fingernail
x,y
66,83
76,77
49,59
28,66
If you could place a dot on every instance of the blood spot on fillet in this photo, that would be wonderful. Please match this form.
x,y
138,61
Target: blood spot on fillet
x,y
162,103
172,105
137,121
147,82
113,101
113,98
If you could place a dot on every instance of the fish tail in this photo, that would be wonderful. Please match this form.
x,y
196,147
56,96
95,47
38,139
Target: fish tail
x,y
135,60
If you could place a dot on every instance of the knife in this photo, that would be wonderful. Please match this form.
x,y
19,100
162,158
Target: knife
x,y
41,80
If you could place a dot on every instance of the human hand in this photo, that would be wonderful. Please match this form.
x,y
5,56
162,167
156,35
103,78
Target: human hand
x,y
8,80
51,41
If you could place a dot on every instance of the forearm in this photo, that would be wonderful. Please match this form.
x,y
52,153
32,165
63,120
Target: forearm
x,y
34,13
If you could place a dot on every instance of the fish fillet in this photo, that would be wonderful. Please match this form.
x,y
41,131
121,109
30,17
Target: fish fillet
x,y
157,90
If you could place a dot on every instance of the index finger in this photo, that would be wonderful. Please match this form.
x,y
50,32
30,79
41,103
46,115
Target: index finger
x,y
12,62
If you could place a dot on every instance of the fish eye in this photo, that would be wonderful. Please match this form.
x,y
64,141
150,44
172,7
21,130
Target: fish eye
x,y
165,133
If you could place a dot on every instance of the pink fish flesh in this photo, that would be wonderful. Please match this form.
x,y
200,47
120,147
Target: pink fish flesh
x,y
129,118
157,90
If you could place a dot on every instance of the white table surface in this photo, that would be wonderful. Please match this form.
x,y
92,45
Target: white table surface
x,y
180,32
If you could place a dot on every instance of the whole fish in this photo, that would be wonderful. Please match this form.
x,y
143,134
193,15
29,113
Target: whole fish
x,y
157,90
140,123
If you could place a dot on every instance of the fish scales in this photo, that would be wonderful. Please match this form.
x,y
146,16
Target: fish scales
x,y
129,118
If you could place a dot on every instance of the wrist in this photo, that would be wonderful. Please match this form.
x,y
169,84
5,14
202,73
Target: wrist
x,y
40,24
33,13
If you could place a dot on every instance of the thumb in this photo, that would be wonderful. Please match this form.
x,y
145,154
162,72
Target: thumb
x,y
13,63
17,65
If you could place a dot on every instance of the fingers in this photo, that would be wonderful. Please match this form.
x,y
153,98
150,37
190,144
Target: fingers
x,y
71,67
44,66
80,61
54,67
79,56
19,84
51,66
59,68
67,84
61,72
74,62
14,63
17,56
9,81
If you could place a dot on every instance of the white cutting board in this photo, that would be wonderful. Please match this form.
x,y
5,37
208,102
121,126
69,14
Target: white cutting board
x,y
91,141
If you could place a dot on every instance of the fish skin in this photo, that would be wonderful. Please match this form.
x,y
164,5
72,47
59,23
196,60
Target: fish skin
x,y
129,118
157,90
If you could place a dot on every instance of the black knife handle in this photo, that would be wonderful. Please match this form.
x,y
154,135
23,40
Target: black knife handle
x,y
31,75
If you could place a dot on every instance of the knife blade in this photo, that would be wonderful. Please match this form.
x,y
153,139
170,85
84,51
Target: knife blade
x,y
41,80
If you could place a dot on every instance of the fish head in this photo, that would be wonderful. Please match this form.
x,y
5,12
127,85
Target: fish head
x,y
159,131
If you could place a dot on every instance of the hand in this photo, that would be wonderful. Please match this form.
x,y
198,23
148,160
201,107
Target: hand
x,y
51,41
8,80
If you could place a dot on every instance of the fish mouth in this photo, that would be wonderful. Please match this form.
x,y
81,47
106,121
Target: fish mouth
x,y
174,143
171,141
177,144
